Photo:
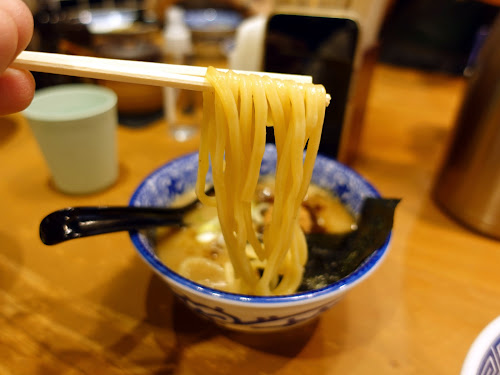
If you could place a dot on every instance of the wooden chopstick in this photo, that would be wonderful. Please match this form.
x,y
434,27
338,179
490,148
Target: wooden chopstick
x,y
149,73
154,74
116,67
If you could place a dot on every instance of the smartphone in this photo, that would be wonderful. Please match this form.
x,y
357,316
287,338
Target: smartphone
x,y
324,48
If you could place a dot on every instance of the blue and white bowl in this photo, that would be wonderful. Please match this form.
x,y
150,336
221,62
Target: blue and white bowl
x,y
246,312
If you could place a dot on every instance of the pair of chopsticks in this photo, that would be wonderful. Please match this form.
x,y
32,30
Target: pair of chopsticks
x,y
148,73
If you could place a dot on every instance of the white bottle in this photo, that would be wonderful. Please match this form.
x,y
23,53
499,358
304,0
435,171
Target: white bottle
x,y
179,105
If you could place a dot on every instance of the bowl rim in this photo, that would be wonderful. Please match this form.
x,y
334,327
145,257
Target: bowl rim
x,y
363,271
481,349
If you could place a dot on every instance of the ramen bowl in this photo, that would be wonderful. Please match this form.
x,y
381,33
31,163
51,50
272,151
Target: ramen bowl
x,y
248,312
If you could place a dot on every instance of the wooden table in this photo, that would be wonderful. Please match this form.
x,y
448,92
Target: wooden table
x,y
91,306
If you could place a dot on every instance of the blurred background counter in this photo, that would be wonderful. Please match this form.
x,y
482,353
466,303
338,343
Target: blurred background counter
x,y
443,36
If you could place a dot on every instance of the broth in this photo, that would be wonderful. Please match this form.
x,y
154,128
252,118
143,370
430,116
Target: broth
x,y
198,252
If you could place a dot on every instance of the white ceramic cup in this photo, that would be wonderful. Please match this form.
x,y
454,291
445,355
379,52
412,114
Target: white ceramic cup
x,y
75,126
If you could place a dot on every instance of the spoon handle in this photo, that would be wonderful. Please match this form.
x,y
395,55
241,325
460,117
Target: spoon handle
x,y
76,222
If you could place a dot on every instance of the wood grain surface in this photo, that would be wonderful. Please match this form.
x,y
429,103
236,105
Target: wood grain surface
x,y
91,306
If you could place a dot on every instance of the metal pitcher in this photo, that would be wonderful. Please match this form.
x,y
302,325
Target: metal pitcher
x,y
468,186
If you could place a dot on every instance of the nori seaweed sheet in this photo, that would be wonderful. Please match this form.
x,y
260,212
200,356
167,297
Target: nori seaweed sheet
x,y
334,256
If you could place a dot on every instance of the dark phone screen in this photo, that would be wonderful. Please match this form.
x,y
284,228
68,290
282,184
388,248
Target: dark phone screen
x,y
323,48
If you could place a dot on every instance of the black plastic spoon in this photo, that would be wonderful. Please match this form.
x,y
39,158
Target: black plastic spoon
x,y
76,222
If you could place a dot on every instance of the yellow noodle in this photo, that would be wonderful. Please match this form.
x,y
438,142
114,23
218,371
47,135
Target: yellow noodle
x,y
259,137
233,141
293,275
203,160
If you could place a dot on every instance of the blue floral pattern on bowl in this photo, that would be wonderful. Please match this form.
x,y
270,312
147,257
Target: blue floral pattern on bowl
x,y
245,312
490,364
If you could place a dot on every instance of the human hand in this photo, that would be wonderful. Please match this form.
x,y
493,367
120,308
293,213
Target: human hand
x,y
17,87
